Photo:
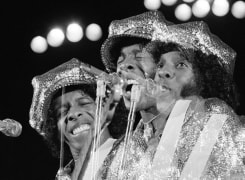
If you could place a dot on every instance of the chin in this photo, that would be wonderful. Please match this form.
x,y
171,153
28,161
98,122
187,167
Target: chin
x,y
80,145
126,103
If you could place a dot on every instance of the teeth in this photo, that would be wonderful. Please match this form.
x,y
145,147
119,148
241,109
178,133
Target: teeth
x,y
81,128
163,88
131,81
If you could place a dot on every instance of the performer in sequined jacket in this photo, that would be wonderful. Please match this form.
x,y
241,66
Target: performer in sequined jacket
x,y
63,110
196,134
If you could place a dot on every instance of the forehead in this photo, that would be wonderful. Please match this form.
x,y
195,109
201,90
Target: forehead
x,y
172,56
130,48
71,95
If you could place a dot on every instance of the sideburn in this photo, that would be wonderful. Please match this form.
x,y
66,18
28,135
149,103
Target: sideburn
x,y
190,89
193,88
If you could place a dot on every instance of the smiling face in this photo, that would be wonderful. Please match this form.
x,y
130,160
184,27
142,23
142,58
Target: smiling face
x,y
174,74
135,62
75,112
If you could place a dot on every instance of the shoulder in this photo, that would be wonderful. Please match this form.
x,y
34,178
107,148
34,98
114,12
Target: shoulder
x,y
232,124
218,106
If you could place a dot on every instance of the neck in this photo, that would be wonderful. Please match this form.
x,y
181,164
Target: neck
x,y
78,154
81,156
148,114
156,117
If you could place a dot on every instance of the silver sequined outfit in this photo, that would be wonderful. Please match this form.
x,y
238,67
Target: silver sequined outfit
x,y
225,161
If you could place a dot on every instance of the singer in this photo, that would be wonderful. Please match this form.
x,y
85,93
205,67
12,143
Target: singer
x,y
128,51
68,109
197,135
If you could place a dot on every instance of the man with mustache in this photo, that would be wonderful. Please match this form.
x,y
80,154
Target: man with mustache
x,y
201,135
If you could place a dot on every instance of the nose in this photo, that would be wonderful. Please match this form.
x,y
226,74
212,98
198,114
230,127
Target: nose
x,y
165,73
126,67
74,115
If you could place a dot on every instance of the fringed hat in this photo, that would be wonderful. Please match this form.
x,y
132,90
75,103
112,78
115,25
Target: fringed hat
x,y
73,72
139,26
197,35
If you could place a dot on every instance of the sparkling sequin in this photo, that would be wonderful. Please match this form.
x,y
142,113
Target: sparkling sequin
x,y
197,35
153,26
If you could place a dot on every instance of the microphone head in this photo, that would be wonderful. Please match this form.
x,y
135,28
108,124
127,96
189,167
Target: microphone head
x,y
12,128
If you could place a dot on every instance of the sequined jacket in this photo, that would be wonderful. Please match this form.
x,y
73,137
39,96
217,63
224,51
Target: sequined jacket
x,y
104,149
226,159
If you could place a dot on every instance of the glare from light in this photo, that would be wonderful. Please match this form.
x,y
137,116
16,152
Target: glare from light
x,y
238,9
201,8
188,1
152,4
74,32
39,44
183,12
169,2
93,32
220,7
55,37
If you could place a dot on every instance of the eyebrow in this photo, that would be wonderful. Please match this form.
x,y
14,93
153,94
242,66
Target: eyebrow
x,y
59,105
85,96
134,51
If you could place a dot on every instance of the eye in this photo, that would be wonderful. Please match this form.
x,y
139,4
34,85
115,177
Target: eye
x,y
181,65
120,60
160,65
85,102
139,56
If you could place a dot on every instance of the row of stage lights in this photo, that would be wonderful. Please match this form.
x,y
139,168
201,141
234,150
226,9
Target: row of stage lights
x,y
73,33
184,10
200,8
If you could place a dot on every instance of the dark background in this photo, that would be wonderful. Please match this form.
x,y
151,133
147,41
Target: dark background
x,y
27,157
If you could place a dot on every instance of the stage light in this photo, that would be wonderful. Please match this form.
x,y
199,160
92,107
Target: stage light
x,y
74,32
152,4
201,8
188,1
93,32
169,2
55,37
220,7
183,12
238,9
39,44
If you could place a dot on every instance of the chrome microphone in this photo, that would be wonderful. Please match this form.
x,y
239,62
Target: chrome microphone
x,y
10,127
111,83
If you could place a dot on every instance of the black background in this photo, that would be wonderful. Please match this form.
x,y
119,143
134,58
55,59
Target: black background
x,y
27,157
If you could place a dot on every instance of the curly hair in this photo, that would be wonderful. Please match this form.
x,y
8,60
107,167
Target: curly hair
x,y
116,128
211,77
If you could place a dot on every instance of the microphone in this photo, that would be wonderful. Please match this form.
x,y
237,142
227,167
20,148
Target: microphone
x,y
110,83
10,127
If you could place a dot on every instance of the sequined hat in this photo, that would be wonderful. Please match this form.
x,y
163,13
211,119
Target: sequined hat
x,y
139,26
197,35
73,72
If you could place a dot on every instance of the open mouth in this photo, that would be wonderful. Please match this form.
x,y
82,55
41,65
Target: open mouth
x,y
163,88
81,128
129,86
